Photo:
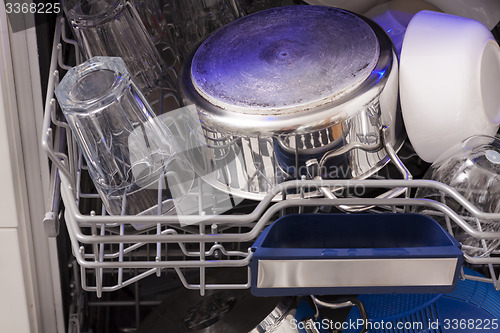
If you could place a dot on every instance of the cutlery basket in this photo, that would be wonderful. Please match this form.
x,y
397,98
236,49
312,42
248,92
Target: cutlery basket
x,y
319,254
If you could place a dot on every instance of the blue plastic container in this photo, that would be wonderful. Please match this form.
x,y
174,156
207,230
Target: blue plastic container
x,y
320,254
473,307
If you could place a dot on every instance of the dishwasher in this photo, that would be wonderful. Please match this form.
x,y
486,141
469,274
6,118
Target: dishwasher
x,y
291,219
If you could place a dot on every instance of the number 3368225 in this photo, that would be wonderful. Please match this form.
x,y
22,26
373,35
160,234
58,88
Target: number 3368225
x,y
32,8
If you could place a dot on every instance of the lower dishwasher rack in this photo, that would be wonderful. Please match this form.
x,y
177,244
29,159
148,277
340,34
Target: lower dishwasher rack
x,y
112,253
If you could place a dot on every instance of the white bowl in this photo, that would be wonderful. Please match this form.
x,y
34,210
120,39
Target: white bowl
x,y
449,82
394,16
485,11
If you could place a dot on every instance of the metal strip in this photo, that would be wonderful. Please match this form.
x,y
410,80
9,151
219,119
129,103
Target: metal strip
x,y
332,273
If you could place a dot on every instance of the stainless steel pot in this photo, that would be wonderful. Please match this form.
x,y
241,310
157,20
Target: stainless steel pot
x,y
287,85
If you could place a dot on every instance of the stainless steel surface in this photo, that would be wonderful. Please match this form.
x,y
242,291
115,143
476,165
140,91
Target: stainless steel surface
x,y
341,305
273,116
279,320
354,301
218,311
266,82
264,68
313,168
355,273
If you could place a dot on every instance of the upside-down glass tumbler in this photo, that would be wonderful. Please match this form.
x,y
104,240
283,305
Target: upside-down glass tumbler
x,y
106,111
114,28
195,20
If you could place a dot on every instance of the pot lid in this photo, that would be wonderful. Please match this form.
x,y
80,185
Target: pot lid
x,y
284,61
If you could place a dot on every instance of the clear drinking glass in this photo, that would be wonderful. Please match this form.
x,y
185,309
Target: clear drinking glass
x,y
106,113
473,169
114,28
252,6
195,20
159,29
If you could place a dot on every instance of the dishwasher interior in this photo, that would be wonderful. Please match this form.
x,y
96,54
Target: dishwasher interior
x,y
124,272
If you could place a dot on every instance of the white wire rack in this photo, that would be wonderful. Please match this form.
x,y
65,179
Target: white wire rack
x,y
112,253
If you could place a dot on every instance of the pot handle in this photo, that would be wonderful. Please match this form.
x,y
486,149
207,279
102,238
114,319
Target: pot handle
x,y
313,165
348,302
